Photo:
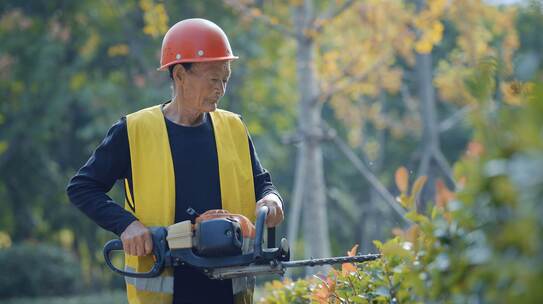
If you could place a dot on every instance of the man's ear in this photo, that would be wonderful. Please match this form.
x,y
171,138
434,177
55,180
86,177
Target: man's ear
x,y
179,72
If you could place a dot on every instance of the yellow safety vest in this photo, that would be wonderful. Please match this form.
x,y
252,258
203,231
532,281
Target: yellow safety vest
x,y
153,185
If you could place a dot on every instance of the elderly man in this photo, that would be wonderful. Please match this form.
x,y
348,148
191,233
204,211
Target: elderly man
x,y
184,153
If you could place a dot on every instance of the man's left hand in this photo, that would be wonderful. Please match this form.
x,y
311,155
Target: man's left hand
x,y
275,209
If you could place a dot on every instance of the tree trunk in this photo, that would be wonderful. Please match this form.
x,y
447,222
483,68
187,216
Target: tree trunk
x,y
296,203
432,159
314,220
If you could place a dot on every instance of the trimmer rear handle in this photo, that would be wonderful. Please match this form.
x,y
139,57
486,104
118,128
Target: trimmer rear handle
x,y
160,247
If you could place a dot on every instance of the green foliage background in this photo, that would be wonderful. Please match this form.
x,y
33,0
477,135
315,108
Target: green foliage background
x,y
480,245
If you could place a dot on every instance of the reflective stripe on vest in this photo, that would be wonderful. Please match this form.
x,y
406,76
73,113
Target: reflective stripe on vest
x,y
153,187
163,284
242,284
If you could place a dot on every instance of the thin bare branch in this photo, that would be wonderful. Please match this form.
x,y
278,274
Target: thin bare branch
x,y
455,118
445,168
331,14
368,175
423,170
337,86
408,99
257,14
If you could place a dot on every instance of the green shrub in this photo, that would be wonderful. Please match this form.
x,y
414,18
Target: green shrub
x,y
105,297
481,244
29,270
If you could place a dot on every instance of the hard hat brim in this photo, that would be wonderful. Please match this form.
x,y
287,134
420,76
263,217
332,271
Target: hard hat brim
x,y
165,67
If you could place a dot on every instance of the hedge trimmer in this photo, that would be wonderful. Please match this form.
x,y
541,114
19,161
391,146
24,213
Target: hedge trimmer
x,y
215,246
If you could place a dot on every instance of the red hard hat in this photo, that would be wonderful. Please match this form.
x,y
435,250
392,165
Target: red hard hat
x,y
194,40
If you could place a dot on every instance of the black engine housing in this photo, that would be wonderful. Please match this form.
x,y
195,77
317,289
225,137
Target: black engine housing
x,y
218,237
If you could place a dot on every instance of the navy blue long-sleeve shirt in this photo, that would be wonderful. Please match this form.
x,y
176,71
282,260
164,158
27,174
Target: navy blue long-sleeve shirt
x,y
197,185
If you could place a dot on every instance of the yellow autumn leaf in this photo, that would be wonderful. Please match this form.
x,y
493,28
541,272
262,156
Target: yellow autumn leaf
x,y
436,7
66,237
392,80
436,34
437,27
89,47
514,92
77,81
423,46
120,49
5,240
274,20
155,18
146,5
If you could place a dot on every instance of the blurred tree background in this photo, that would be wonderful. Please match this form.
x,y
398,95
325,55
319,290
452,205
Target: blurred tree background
x,y
337,96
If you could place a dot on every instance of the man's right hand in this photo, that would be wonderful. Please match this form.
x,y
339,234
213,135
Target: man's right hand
x,y
137,239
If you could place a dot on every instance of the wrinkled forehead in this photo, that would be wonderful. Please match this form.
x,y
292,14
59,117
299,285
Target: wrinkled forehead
x,y
214,67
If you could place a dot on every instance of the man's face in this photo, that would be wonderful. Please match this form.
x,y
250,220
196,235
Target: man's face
x,y
204,84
